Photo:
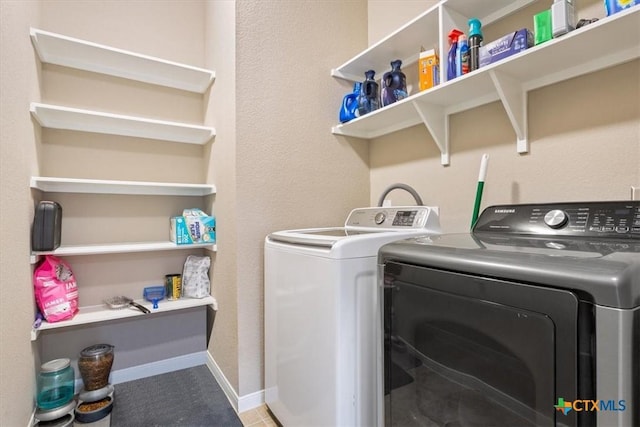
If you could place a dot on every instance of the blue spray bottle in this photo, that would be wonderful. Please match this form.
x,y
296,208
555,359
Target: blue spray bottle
x,y
451,58
462,56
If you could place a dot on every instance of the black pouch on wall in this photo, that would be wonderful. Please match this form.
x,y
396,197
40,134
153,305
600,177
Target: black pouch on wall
x,y
45,235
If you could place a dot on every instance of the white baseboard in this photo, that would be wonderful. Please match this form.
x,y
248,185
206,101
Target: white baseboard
x,y
154,368
239,403
251,401
160,367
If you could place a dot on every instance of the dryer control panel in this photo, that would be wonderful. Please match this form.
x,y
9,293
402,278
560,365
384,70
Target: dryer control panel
x,y
618,220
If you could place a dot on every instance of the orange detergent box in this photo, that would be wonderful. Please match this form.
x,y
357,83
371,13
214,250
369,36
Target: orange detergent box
x,y
428,69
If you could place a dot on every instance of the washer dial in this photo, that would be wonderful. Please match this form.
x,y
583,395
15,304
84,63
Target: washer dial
x,y
556,218
380,217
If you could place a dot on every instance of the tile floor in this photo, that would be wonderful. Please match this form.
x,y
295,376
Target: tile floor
x,y
258,417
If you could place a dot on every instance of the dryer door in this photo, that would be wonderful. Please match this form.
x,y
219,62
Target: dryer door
x,y
470,351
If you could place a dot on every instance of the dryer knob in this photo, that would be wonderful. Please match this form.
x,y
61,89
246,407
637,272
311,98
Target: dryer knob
x,y
380,217
556,218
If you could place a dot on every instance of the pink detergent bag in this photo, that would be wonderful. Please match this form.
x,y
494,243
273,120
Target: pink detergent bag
x,y
55,289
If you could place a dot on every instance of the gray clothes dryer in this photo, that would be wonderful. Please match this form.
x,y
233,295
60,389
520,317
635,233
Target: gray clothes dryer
x,y
532,319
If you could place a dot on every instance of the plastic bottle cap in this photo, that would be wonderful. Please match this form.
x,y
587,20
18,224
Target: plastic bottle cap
x,y
454,34
55,365
474,27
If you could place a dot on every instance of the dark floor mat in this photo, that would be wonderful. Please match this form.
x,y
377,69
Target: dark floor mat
x,y
188,397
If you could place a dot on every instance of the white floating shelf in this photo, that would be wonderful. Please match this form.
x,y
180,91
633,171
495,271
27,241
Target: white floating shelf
x,y
102,313
120,248
57,117
99,186
423,31
615,39
75,53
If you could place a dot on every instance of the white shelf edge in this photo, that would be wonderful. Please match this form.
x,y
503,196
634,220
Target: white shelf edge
x,y
395,44
58,117
345,76
84,55
510,91
100,186
119,248
101,313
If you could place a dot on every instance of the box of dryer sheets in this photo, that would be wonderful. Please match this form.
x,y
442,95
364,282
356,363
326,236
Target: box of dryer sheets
x,y
194,226
428,69
505,46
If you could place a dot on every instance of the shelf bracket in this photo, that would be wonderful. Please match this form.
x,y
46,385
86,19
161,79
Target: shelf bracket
x,y
437,123
514,100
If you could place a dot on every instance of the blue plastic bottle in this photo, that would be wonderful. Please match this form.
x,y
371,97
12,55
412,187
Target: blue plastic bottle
x,y
462,56
394,84
368,100
349,109
451,58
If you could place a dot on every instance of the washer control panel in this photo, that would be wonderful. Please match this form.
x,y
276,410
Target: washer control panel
x,y
593,219
403,217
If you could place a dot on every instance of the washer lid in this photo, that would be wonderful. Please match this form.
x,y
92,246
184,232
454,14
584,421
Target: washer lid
x,y
365,230
322,237
606,271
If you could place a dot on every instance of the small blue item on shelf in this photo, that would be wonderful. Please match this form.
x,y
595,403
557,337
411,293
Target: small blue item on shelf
x,y
451,57
153,294
349,110
368,100
505,46
462,56
194,226
394,84
615,6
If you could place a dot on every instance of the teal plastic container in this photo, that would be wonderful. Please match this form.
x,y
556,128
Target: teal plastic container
x,y
55,384
475,41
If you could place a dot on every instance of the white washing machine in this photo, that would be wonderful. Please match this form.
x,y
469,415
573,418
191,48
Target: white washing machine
x,y
322,322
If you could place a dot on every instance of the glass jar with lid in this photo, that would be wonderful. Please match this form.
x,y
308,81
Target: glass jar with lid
x,y
55,384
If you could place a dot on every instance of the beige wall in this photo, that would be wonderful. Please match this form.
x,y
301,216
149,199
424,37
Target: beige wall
x,y
584,137
274,161
386,16
291,172
220,56
18,87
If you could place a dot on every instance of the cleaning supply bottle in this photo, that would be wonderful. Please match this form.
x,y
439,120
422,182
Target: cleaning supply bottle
x,y
349,109
475,41
462,56
394,84
368,100
451,58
